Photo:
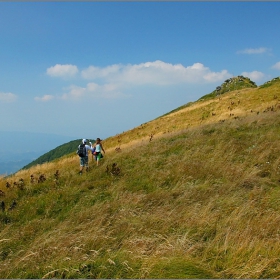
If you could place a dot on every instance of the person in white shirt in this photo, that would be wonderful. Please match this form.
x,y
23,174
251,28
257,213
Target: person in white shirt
x,y
97,150
84,157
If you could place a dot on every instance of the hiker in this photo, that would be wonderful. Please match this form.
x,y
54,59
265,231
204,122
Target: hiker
x,y
83,154
97,149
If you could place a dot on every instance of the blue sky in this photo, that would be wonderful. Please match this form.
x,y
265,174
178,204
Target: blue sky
x,y
96,69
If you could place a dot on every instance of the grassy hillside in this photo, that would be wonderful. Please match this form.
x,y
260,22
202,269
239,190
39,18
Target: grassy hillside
x,y
192,194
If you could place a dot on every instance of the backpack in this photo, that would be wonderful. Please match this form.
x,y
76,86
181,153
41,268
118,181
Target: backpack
x,y
82,152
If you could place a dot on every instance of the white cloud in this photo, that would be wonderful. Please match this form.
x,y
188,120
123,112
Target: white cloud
x,y
7,97
254,51
156,73
93,72
75,92
93,90
217,76
105,91
276,66
45,98
254,75
59,70
119,81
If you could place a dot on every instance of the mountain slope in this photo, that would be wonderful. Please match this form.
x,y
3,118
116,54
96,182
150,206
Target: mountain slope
x,y
232,105
189,195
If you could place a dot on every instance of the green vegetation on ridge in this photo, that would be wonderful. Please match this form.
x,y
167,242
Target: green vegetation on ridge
x,y
56,153
234,83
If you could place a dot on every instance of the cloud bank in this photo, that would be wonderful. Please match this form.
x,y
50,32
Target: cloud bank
x,y
276,66
59,70
157,73
254,51
45,98
118,80
254,75
7,97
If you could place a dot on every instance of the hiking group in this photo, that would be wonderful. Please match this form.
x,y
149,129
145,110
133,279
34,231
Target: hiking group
x,y
96,150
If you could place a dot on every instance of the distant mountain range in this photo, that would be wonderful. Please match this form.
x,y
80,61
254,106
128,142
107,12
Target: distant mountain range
x,y
56,153
17,149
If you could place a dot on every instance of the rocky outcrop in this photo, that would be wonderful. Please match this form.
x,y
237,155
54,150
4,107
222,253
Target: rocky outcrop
x,y
235,83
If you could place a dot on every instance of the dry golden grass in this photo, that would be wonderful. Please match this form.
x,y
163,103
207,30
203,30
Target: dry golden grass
x,y
247,102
